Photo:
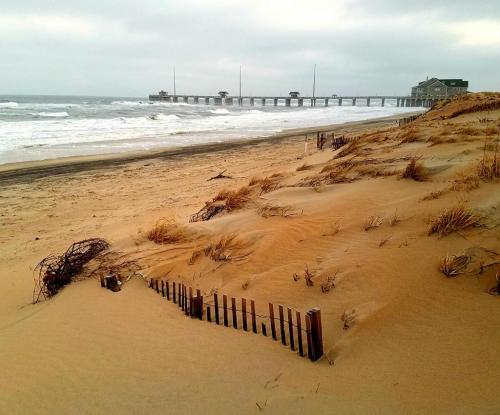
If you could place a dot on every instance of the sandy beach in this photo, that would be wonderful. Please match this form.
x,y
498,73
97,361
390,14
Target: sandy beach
x,y
399,336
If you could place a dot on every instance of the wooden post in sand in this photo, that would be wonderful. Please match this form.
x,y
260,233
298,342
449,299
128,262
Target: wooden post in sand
x,y
244,313
290,329
316,333
162,288
180,297
264,330
282,325
271,317
191,302
299,334
167,283
103,284
157,286
216,308
173,292
235,316
224,306
200,311
186,300
254,320
209,314
308,335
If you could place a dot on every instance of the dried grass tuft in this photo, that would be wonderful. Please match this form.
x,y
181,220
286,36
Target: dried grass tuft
x,y
452,220
394,219
415,170
269,210
329,284
224,249
435,194
452,265
372,222
488,168
167,232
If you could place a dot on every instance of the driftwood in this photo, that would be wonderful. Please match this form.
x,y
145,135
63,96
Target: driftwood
x,y
221,175
207,212
56,271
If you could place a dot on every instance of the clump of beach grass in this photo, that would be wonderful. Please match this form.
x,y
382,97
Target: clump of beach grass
x,y
415,170
452,265
167,232
372,222
453,219
488,168
224,248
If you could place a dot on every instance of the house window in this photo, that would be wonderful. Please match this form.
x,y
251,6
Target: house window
x,y
437,89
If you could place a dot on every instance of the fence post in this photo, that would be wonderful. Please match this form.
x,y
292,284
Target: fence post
x,y
308,335
209,315
173,292
167,283
264,330
216,307
191,313
157,286
244,313
224,306
186,301
235,317
254,321
271,317
316,333
200,307
299,334
282,325
162,288
290,329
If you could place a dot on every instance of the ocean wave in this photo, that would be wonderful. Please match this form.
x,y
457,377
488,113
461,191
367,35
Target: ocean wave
x,y
163,117
52,114
9,104
130,103
220,111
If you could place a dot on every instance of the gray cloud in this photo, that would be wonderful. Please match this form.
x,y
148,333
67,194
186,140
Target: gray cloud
x,y
130,47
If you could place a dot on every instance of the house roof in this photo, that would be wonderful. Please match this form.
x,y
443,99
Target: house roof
x,y
447,82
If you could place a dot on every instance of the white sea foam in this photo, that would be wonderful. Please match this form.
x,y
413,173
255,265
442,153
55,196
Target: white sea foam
x,y
220,111
9,104
52,114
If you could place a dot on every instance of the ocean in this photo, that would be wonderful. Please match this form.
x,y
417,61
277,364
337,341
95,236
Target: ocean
x,y
46,127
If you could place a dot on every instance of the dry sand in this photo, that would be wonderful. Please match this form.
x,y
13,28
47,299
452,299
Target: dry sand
x,y
418,342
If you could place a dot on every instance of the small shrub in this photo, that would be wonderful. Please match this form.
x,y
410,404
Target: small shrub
x,y
328,284
435,194
488,167
395,219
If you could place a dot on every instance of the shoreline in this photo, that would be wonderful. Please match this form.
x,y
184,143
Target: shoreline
x,y
31,170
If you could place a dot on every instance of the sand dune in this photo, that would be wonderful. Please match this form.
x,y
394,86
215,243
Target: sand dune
x,y
404,337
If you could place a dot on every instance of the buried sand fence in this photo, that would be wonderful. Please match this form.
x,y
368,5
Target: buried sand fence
x,y
290,332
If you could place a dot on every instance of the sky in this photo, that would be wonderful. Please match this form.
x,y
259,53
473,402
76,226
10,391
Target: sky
x,y
130,47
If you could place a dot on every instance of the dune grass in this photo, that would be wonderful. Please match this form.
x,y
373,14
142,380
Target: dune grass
x,y
415,171
452,265
453,219
167,232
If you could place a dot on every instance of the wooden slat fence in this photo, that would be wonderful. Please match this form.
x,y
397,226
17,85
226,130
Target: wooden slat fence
x,y
291,332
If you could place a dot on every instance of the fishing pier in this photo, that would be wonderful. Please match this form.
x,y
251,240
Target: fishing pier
x,y
288,101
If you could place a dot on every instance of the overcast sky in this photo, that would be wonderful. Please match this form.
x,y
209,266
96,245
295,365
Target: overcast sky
x,y
129,47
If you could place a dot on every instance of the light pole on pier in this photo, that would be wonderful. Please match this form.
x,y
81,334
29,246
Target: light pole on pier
x,y
174,82
313,101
